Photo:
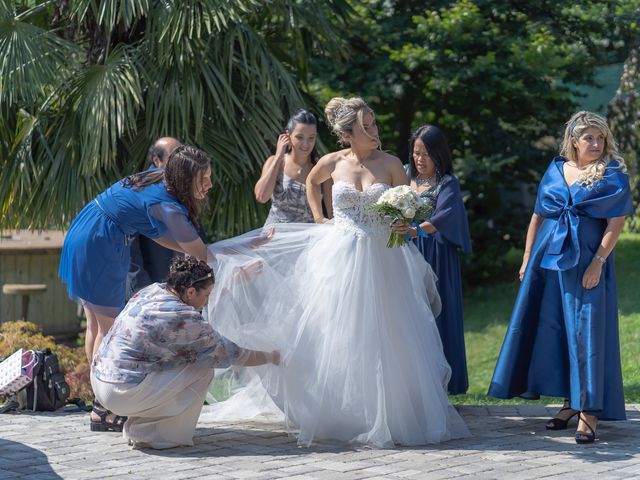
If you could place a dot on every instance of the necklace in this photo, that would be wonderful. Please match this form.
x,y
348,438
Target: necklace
x,y
357,160
420,182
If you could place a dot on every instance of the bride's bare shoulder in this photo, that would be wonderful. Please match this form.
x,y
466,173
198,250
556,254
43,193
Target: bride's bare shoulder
x,y
386,157
333,157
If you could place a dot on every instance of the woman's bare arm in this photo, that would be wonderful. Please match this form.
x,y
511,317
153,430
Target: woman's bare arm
x,y
319,174
532,231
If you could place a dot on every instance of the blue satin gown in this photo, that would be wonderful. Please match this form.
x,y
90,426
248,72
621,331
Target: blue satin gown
x,y
440,249
562,340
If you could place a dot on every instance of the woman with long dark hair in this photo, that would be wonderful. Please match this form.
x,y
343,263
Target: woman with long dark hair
x,y
164,205
284,174
439,239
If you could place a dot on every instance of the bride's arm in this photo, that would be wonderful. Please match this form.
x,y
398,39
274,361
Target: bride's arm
x,y
398,175
319,174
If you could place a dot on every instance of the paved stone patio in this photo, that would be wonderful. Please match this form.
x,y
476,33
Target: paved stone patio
x,y
509,442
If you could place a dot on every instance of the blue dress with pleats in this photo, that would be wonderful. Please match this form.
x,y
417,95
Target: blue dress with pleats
x,y
440,249
562,340
96,252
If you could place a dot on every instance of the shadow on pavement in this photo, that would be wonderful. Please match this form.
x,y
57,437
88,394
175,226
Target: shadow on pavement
x,y
20,460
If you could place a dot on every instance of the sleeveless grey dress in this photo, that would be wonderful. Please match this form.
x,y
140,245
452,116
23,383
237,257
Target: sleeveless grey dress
x,y
289,202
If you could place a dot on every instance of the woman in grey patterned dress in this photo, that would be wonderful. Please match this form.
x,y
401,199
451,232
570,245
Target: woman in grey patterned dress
x,y
285,173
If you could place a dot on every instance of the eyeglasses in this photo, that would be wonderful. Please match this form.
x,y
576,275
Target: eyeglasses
x,y
207,276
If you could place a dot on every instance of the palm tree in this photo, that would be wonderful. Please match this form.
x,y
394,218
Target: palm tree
x,y
86,85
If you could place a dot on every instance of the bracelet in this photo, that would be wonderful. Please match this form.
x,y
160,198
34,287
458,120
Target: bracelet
x,y
601,259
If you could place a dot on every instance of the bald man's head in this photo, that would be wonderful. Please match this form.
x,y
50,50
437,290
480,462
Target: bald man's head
x,y
161,149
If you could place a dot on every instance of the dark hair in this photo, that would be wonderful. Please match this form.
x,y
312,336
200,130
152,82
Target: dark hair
x,y
183,166
186,272
306,118
155,151
436,144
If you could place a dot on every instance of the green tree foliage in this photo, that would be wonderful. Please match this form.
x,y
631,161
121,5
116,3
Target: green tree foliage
x,y
497,76
86,85
624,110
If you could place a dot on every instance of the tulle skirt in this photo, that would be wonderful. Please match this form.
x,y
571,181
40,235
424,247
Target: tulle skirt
x,y
362,359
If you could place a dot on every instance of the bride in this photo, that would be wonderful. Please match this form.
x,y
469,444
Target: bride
x,y
362,358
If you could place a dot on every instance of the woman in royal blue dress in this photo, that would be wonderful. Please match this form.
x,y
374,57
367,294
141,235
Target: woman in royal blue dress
x,y
562,340
431,173
161,204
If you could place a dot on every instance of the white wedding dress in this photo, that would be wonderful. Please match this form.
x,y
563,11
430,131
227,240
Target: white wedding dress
x,y
362,358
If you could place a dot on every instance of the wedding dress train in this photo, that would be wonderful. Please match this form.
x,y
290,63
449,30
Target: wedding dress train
x,y
362,360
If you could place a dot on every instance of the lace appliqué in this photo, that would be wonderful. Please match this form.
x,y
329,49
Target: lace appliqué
x,y
350,209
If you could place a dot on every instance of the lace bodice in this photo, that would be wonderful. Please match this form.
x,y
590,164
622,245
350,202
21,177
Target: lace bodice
x,y
350,209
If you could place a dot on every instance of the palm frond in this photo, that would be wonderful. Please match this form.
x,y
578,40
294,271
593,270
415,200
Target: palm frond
x,y
32,60
109,13
102,103
220,74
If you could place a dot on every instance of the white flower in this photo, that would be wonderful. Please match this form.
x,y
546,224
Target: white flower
x,y
409,212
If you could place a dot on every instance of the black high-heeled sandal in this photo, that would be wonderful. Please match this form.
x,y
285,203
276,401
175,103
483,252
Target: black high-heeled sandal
x,y
558,423
585,437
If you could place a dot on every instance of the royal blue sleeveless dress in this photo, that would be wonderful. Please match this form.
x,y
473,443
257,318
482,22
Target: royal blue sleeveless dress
x,y
562,340
96,251
440,249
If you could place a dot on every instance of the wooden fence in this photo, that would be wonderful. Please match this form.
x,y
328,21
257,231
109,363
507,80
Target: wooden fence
x,y
33,258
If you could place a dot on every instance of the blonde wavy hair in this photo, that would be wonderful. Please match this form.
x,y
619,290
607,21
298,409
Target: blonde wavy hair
x,y
576,126
343,113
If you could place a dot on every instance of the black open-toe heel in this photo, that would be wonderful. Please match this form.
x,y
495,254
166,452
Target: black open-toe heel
x,y
105,424
559,423
586,437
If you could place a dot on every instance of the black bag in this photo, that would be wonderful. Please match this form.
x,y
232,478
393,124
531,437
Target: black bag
x,y
48,391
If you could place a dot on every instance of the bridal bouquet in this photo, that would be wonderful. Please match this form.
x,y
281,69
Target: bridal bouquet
x,y
401,203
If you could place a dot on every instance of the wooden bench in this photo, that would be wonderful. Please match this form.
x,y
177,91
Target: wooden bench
x,y
25,290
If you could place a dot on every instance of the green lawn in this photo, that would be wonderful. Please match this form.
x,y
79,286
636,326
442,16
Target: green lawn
x,y
487,311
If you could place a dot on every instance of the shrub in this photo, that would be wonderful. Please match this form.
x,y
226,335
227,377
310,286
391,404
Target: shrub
x,y
73,362
499,204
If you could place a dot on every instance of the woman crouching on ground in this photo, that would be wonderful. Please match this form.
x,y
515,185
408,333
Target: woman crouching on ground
x,y
158,359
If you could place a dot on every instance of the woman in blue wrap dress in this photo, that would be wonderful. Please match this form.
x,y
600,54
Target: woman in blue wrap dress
x,y
161,204
447,231
563,336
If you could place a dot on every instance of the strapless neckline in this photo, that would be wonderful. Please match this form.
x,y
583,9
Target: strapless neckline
x,y
356,188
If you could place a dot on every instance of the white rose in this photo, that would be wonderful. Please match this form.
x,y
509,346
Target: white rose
x,y
384,198
409,212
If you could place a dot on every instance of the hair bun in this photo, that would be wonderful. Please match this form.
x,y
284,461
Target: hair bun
x,y
335,104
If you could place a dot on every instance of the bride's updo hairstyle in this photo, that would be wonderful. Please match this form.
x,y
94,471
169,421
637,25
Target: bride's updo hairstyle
x,y
343,113
576,126
188,271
